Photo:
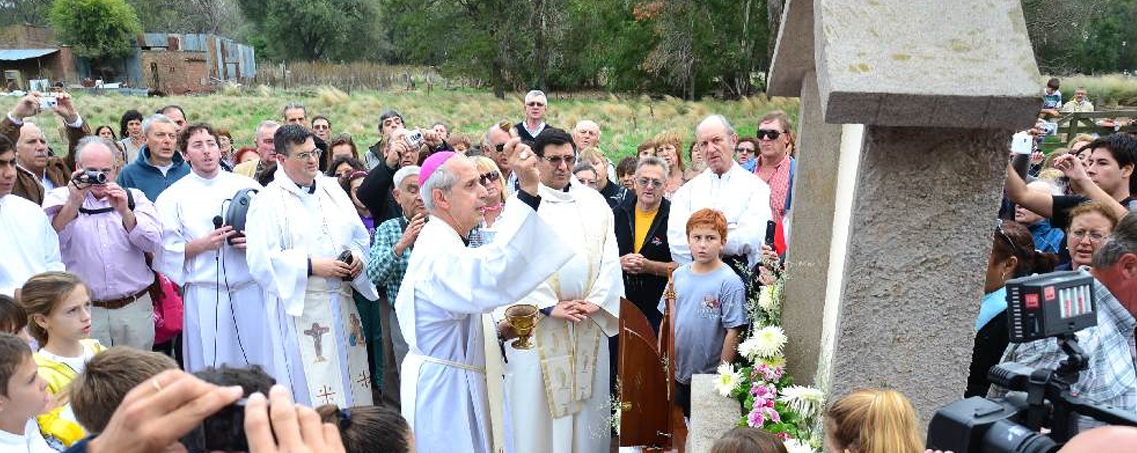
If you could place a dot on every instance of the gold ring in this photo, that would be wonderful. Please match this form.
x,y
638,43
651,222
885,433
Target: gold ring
x,y
157,386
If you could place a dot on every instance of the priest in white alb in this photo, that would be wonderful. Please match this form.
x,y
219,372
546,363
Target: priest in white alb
x,y
448,287
558,392
224,307
306,245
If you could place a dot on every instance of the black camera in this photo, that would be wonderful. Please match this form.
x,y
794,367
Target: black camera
x,y
1054,305
91,177
222,431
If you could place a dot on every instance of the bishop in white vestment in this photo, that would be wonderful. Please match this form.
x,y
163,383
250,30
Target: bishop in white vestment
x,y
448,287
225,321
297,227
558,392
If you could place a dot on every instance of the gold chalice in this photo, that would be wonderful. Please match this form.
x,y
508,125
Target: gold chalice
x,y
523,318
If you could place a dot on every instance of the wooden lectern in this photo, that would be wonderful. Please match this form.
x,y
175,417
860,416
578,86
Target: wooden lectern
x,y
650,416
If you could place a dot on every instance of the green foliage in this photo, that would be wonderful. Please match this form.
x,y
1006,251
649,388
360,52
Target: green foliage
x,y
329,30
97,29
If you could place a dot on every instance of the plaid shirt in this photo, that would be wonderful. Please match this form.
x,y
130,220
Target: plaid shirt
x,y
384,268
1111,377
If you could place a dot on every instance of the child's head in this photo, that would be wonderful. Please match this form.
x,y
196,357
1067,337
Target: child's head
x,y
23,393
58,306
706,235
370,428
872,421
745,439
13,318
100,388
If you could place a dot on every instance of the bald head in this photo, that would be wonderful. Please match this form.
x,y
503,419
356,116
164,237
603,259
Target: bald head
x,y
1109,439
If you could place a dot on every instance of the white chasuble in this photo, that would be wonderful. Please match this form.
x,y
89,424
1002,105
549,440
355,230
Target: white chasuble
x,y
558,393
446,290
225,322
320,351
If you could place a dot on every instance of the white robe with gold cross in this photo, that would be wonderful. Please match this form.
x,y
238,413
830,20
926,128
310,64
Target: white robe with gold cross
x,y
557,394
320,351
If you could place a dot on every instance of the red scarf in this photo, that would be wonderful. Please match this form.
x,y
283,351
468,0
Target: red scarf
x,y
779,186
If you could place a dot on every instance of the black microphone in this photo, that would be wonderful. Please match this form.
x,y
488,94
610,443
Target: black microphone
x,y
217,220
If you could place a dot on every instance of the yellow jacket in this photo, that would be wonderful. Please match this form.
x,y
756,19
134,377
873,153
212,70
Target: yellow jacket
x,y
58,377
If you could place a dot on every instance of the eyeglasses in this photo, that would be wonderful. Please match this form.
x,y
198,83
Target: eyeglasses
x,y
306,155
556,161
653,182
1094,236
492,176
745,150
770,134
500,147
535,104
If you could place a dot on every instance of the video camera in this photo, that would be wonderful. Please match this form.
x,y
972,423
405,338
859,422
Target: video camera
x,y
91,177
1055,305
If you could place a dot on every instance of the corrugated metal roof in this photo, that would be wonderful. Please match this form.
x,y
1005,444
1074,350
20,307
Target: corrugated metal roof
x,y
24,54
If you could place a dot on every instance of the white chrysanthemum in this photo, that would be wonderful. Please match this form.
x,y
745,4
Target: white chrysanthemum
x,y
802,399
797,446
727,380
767,299
766,342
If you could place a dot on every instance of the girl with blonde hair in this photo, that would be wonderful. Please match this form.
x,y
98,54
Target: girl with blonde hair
x,y
872,421
494,181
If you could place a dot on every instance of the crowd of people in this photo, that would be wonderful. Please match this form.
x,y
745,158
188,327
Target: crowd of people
x,y
145,279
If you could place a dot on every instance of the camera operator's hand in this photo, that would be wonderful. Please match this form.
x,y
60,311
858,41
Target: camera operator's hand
x,y
1072,167
240,242
65,108
116,195
297,429
210,242
431,138
27,107
410,235
523,162
77,192
395,150
331,268
159,411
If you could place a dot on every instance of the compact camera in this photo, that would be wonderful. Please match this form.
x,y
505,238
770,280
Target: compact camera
x,y
48,102
414,139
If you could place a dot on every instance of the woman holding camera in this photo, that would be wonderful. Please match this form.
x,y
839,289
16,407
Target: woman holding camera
x,y
1012,256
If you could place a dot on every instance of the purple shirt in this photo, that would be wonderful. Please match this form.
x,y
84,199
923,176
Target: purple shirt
x,y
97,248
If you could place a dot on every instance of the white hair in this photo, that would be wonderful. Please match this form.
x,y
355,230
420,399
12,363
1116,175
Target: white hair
x,y
535,94
719,119
652,160
442,179
404,173
263,125
586,123
156,118
92,140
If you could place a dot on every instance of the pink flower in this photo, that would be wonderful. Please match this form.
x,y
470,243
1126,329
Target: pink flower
x,y
756,419
784,436
773,415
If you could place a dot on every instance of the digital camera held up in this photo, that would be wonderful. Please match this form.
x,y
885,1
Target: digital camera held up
x,y
91,177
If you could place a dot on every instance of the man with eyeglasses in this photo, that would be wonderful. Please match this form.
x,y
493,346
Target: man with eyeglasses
x,y
641,232
580,312
225,321
724,186
306,248
322,127
493,146
28,243
536,105
159,164
774,165
104,233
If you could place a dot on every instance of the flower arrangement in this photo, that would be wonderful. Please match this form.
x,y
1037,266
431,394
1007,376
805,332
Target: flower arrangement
x,y
769,398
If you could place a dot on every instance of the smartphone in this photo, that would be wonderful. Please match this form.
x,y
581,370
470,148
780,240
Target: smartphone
x,y
771,228
48,102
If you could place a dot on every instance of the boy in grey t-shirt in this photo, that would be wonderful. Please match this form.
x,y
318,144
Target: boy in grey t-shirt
x,y
709,307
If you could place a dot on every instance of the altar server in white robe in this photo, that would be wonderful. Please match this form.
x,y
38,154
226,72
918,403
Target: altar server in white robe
x,y
298,228
728,188
28,243
225,320
558,392
448,287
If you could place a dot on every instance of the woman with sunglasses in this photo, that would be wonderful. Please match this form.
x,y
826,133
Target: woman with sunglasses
x,y
1012,256
1091,223
495,200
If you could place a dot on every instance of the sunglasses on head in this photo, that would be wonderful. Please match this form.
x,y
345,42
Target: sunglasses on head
x,y
764,134
487,178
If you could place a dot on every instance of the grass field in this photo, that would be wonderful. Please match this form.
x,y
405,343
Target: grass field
x,y
624,121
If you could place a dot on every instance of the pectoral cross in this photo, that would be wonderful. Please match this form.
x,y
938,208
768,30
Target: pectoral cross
x,y
317,333
326,393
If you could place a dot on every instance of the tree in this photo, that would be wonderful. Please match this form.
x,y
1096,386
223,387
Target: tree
x,y
330,30
96,29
